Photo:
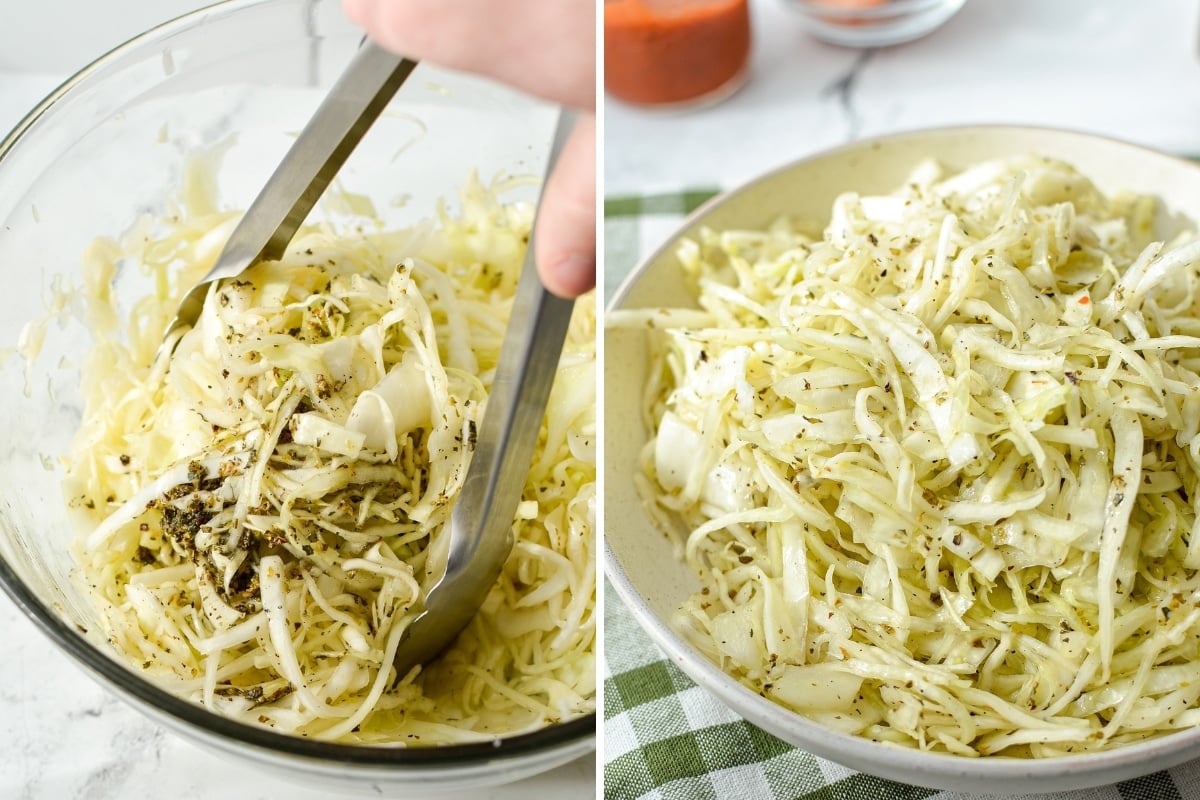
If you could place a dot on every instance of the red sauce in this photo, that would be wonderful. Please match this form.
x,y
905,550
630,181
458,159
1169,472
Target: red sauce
x,y
674,51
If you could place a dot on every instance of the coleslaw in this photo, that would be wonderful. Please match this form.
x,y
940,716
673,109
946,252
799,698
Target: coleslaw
x,y
263,503
937,466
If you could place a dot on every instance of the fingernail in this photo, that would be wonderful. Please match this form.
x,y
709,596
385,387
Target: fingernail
x,y
572,276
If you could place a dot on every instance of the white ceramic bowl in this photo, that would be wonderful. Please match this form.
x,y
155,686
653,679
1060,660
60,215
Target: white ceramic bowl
x,y
640,561
113,143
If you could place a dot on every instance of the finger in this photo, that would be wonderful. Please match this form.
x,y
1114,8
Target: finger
x,y
544,47
565,240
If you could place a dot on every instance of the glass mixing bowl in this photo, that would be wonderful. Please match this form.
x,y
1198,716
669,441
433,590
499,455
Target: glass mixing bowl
x,y
113,143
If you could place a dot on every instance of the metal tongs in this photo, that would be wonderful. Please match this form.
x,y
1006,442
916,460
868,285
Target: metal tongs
x,y
480,534
339,124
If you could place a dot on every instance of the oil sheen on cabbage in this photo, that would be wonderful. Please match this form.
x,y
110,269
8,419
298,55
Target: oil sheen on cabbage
x,y
264,504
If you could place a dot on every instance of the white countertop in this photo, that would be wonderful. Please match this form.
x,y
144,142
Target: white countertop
x,y
64,737
1128,70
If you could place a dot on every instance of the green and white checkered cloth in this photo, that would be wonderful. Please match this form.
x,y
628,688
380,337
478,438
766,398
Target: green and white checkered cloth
x,y
667,739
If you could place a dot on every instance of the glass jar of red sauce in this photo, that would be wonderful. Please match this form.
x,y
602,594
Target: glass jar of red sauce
x,y
675,52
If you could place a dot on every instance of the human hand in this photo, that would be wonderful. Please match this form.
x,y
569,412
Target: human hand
x,y
545,48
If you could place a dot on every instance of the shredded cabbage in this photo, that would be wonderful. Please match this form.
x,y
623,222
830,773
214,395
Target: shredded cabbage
x,y
264,503
937,468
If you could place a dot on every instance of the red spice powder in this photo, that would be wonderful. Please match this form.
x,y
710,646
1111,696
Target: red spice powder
x,y
673,51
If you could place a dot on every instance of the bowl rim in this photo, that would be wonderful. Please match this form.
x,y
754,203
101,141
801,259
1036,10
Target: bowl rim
x,y
934,769
839,13
563,735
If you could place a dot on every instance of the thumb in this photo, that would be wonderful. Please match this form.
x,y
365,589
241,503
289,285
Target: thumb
x,y
565,239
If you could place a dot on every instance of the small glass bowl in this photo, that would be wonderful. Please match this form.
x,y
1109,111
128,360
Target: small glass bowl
x,y
113,143
873,23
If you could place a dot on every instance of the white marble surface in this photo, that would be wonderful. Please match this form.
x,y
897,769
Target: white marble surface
x,y
1128,70
33,37
61,735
